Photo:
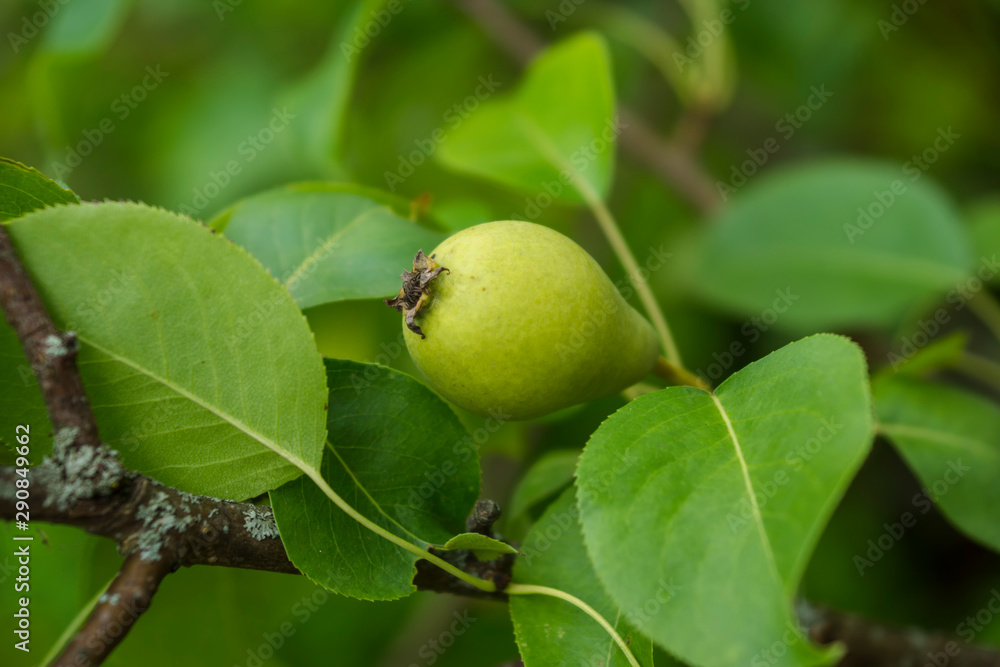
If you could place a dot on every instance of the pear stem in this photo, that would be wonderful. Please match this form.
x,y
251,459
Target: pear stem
x,y
678,375
637,390
611,230
530,589
614,235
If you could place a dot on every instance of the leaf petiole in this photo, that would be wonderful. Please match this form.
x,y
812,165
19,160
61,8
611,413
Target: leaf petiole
x,y
678,375
317,477
530,589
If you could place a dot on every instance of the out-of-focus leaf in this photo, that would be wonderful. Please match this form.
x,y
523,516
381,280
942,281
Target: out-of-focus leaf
x,y
84,28
319,100
936,355
55,559
951,439
549,475
75,31
834,244
554,135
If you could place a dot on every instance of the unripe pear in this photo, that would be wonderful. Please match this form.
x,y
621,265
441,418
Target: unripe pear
x,y
516,320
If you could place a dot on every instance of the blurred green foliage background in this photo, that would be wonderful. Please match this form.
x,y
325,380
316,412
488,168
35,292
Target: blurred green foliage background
x,y
189,86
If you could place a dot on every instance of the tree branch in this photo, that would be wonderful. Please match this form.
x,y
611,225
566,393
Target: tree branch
x,y
141,514
674,160
870,643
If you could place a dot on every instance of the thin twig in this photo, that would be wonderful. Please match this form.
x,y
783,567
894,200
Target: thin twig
x,y
518,40
691,129
871,643
117,610
672,163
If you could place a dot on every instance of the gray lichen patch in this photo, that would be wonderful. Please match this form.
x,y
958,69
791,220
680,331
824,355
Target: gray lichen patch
x,y
260,523
110,599
55,346
159,518
74,473
188,499
159,504
149,545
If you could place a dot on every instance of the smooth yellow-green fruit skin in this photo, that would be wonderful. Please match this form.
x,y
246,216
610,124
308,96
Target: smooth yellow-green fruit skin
x,y
526,323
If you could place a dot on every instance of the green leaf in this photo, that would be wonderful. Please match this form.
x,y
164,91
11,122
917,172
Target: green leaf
x,y
399,205
485,548
23,189
558,126
549,475
397,454
201,370
327,243
728,494
794,247
951,439
945,352
77,32
553,633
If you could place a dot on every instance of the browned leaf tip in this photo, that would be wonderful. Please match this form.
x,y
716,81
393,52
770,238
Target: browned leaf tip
x,y
414,293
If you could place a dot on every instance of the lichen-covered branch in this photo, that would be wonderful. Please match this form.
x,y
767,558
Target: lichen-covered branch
x,y
51,353
157,522
673,160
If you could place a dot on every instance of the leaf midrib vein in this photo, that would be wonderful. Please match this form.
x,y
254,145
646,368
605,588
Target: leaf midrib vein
x,y
758,518
215,410
359,487
324,247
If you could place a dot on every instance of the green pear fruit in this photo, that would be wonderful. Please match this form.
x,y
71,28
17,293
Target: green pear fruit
x,y
513,319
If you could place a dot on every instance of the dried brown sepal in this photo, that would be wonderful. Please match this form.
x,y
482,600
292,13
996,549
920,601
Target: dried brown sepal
x,y
414,293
